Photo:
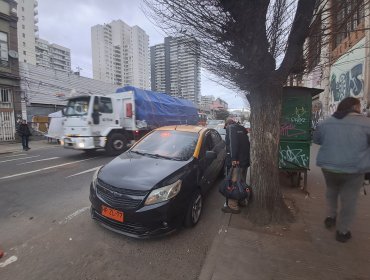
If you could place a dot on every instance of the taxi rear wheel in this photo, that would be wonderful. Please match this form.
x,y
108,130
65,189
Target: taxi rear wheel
x,y
194,210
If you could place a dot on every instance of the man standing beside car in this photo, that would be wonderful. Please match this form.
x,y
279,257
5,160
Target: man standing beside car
x,y
237,155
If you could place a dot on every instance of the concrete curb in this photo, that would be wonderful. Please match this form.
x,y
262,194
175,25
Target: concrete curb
x,y
209,264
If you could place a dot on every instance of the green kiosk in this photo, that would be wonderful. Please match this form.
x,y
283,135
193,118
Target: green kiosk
x,y
295,132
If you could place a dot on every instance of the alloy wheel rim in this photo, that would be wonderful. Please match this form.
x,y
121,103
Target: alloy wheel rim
x,y
197,208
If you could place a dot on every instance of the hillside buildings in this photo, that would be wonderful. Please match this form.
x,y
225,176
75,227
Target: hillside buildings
x,y
120,54
175,68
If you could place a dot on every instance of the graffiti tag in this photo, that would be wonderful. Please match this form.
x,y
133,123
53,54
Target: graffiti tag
x,y
347,84
295,157
290,130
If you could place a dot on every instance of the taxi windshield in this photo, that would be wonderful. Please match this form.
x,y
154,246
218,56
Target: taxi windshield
x,y
169,144
77,106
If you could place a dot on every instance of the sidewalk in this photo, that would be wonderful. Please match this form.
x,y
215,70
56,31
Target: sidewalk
x,y
303,250
13,147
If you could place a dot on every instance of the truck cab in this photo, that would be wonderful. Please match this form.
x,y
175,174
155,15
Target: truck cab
x,y
93,122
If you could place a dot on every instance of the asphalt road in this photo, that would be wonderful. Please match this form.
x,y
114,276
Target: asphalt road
x,y
47,233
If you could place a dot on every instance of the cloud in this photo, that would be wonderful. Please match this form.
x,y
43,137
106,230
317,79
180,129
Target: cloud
x,y
68,23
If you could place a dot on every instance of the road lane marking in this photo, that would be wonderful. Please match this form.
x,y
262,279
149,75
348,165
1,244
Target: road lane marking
x,y
46,168
38,160
17,159
15,155
8,261
74,214
86,171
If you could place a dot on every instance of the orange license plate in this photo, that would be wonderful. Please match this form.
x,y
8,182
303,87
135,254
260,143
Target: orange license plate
x,y
112,213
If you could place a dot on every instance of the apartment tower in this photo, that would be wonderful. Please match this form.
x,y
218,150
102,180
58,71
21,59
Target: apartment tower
x,y
175,68
120,54
31,48
27,30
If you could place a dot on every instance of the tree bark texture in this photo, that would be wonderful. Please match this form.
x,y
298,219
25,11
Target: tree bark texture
x,y
267,205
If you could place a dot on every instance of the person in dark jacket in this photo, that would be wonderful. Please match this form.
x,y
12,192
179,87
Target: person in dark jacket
x,y
24,132
237,155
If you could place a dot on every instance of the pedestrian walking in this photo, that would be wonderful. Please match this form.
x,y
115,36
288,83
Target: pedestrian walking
x,y
237,156
24,132
344,157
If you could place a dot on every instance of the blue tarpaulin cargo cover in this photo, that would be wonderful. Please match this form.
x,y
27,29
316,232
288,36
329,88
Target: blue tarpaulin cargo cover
x,y
160,109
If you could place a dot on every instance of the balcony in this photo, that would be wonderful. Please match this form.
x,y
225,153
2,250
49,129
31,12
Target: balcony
x,y
36,3
35,12
36,20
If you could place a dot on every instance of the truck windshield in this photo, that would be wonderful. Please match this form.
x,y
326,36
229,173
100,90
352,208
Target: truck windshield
x,y
77,106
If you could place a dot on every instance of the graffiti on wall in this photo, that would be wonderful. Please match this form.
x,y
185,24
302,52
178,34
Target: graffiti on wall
x,y
347,76
348,83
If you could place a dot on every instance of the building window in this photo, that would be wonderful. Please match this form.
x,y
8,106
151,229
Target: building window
x,y
5,98
23,27
24,44
347,16
23,35
4,49
24,52
22,9
22,17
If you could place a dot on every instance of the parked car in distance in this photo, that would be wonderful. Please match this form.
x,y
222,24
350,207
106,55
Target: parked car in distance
x,y
214,123
158,185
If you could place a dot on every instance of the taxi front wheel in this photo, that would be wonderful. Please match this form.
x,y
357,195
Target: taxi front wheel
x,y
194,210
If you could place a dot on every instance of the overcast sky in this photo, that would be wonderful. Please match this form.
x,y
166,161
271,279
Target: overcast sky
x,y
68,23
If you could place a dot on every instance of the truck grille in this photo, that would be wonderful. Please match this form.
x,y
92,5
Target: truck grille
x,y
119,198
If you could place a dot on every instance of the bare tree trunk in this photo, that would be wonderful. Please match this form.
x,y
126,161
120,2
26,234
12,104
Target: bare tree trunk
x,y
267,205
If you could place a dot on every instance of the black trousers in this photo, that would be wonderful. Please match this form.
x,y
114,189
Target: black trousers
x,y
25,141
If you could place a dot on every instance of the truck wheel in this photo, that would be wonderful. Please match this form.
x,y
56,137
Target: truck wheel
x,y
116,144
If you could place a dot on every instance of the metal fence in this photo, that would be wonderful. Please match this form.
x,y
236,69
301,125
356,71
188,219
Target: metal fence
x,y
7,126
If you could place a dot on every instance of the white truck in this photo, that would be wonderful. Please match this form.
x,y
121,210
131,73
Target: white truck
x,y
115,121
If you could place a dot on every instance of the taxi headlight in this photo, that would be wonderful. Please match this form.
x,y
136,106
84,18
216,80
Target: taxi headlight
x,y
95,177
164,193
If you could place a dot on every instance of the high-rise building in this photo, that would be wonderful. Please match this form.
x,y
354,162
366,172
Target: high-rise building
x,y
120,54
31,48
175,68
52,56
27,30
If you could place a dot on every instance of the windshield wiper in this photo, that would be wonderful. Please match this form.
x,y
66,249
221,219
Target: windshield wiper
x,y
162,156
156,155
